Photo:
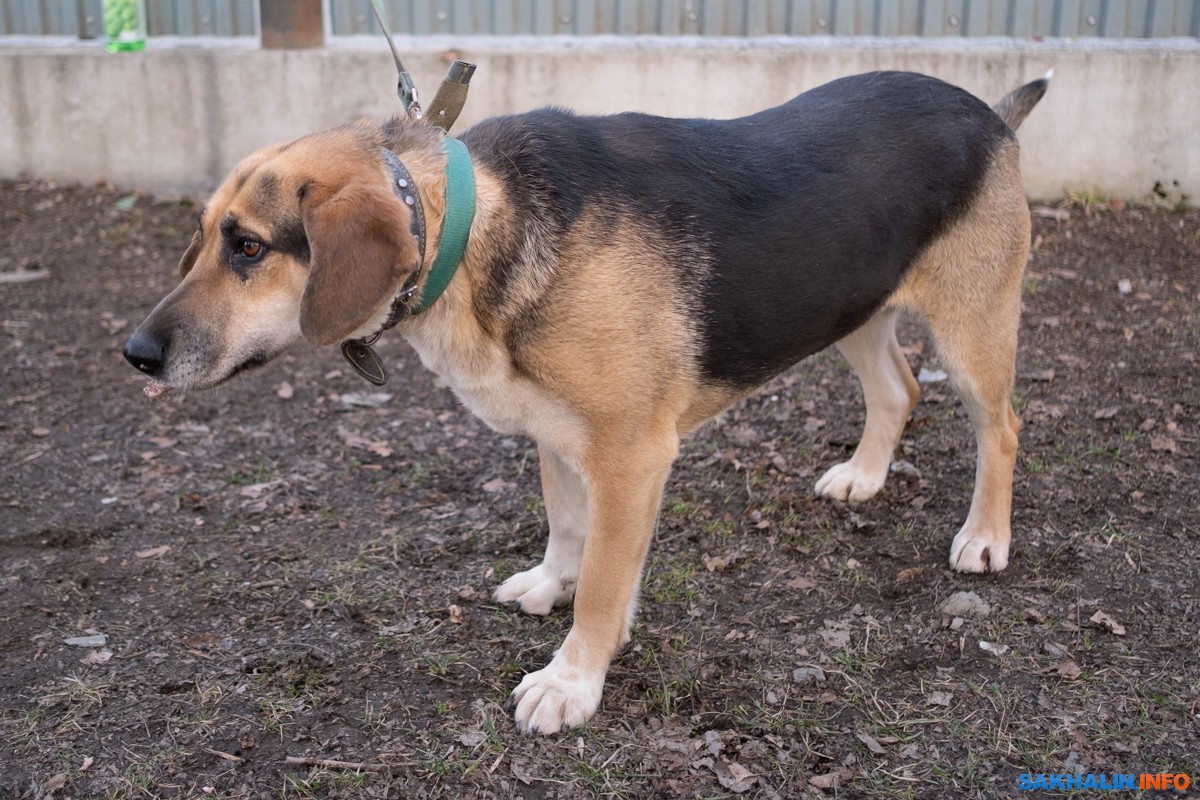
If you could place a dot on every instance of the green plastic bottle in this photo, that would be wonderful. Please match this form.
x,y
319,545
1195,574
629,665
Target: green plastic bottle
x,y
124,25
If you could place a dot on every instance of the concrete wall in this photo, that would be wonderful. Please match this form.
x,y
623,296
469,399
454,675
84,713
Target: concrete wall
x,y
1119,116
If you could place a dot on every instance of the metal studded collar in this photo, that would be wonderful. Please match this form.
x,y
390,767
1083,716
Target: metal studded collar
x,y
405,188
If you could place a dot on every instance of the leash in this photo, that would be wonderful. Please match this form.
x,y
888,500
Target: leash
x,y
460,204
451,94
406,88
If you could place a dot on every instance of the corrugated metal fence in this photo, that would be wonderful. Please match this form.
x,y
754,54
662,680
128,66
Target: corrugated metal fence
x,y
1016,18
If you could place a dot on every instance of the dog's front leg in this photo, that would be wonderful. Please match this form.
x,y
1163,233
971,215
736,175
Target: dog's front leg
x,y
552,582
623,503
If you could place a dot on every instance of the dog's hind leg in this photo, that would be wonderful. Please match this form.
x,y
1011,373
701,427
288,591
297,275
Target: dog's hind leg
x,y
981,360
890,392
969,288
552,583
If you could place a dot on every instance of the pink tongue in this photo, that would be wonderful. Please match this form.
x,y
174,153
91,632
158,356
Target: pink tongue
x,y
155,390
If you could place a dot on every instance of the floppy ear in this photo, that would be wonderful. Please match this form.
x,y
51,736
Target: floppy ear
x,y
361,252
189,256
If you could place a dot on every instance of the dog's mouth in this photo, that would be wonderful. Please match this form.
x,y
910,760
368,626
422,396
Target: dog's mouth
x,y
253,362
154,388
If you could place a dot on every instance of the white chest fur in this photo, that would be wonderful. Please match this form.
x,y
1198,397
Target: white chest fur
x,y
480,372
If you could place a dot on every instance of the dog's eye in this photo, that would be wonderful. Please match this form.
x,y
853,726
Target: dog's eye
x,y
251,249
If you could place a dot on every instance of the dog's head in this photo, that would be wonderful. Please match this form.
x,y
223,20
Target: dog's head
x,y
303,240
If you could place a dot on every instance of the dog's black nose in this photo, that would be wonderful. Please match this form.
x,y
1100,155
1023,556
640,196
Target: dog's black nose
x,y
145,351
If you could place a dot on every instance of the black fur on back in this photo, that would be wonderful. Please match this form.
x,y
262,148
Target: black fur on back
x,y
793,225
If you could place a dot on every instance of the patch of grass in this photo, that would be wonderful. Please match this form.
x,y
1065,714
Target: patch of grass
x,y
724,528
678,507
259,473
323,783
673,582
673,683
149,776
1087,199
79,696
438,664
277,714
615,776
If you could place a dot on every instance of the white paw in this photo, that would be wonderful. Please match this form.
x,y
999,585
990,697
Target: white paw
x,y
556,698
535,590
975,550
846,481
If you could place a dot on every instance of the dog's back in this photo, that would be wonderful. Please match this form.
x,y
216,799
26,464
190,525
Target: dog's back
x,y
790,227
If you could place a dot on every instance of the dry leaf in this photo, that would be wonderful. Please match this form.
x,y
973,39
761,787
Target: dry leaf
x,y
801,583
284,391
1164,443
154,552
871,743
734,777
939,698
1068,669
202,641
520,772
716,563
1100,618
835,638
96,657
906,575
1107,412
380,449
839,777
497,485
472,738
456,615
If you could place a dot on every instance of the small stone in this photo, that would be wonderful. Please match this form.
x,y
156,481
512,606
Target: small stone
x,y
98,640
804,675
931,376
965,604
1054,649
905,470
994,649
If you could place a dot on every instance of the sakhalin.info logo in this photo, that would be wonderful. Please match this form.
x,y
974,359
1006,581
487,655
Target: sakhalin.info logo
x,y
1115,781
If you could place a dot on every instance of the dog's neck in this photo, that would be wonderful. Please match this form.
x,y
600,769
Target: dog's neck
x,y
458,213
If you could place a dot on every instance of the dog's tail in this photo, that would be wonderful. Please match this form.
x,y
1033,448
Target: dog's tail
x,y
1016,105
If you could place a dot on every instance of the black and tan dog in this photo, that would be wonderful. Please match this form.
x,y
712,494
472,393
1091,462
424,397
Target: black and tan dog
x,y
625,279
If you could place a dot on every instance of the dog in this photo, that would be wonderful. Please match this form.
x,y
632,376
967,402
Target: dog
x,y
624,279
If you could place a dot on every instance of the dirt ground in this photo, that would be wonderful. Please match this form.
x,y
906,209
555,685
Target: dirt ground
x,y
297,566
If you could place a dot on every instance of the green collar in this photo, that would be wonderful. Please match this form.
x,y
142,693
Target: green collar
x,y
456,228
456,223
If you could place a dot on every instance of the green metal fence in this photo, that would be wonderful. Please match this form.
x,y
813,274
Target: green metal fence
x,y
1015,18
